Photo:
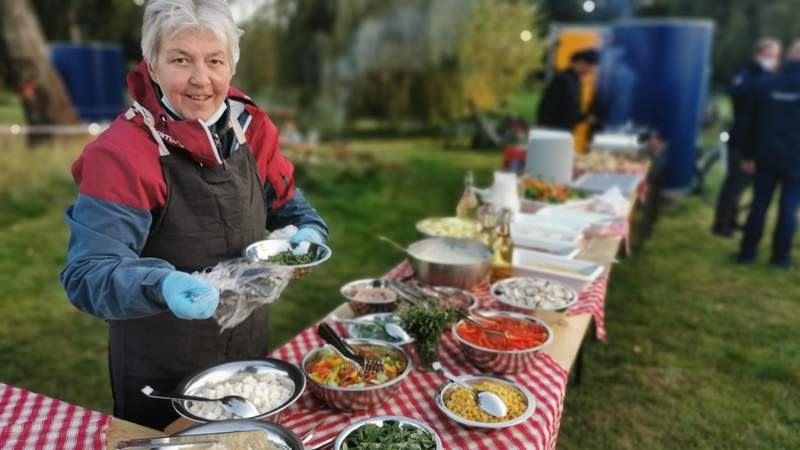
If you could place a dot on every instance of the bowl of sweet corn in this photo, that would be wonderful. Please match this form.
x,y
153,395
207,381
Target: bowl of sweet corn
x,y
458,403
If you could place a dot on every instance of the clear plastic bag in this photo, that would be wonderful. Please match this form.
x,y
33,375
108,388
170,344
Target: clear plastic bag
x,y
243,287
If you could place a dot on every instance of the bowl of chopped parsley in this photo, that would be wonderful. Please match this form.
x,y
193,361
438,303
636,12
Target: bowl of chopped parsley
x,y
373,326
301,258
388,433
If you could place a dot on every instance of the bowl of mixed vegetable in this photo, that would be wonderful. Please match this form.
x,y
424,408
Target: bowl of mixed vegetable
x,y
458,403
300,258
339,383
388,432
513,352
546,192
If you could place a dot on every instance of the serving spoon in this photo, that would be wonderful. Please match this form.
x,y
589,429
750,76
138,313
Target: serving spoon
x,y
234,404
489,402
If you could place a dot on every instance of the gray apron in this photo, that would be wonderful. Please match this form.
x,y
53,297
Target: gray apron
x,y
211,214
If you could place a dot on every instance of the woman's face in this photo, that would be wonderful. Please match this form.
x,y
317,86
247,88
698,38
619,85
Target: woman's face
x,y
194,71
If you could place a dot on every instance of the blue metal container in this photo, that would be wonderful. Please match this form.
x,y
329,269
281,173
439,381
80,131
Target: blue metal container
x,y
654,73
94,76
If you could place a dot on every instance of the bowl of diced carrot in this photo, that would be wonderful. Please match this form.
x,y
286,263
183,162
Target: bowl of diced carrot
x,y
511,349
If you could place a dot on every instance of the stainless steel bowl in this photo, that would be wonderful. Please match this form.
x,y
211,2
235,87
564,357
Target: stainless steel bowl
x,y
277,435
443,391
446,297
380,420
502,361
361,306
236,370
352,329
450,262
548,314
261,251
357,398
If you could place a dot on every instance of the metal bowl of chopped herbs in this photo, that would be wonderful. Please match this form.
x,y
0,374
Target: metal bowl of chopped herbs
x,y
388,432
372,326
300,257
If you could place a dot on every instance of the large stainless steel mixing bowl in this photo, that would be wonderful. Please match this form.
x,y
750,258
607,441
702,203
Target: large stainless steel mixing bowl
x,y
451,262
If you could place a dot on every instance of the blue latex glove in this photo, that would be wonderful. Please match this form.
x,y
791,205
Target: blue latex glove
x,y
307,234
187,297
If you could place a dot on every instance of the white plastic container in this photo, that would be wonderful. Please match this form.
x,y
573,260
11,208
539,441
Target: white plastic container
x,y
563,249
528,235
591,221
551,222
550,154
575,273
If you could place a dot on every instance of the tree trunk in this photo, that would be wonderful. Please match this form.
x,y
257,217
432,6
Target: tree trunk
x,y
44,97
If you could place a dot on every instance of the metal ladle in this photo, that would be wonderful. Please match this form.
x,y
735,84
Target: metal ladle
x,y
238,406
489,402
395,245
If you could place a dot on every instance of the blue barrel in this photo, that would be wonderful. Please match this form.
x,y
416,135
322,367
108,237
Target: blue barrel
x,y
655,73
94,76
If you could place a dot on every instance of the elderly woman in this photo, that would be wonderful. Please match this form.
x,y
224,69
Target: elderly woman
x,y
188,177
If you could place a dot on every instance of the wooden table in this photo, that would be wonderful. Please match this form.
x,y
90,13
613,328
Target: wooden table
x,y
121,430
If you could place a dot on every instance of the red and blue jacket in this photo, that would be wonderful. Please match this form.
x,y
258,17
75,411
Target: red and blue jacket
x,y
121,187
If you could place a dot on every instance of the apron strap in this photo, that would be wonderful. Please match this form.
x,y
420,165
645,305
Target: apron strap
x,y
151,125
237,129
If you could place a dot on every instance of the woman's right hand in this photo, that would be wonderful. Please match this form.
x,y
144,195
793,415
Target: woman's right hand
x,y
189,298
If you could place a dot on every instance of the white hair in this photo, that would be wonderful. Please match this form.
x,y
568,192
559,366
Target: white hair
x,y
165,17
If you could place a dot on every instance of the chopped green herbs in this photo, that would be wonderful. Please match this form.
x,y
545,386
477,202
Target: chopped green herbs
x,y
287,258
390,436
376,328
426,325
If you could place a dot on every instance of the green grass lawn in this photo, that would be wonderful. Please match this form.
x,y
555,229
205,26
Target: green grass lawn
x,y
701,353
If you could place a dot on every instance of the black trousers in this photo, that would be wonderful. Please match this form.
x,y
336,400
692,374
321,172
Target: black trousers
x,y
736,181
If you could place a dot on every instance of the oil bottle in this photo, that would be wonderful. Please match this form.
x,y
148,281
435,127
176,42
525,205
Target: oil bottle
x,y
502,248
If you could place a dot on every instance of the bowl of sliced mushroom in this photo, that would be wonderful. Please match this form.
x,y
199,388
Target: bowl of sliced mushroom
x,y
538,297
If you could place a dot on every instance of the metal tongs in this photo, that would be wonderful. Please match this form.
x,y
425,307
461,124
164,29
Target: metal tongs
x,y
417,296
366,366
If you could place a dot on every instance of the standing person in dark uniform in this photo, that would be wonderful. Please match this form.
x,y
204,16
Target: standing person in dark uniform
x,y
560,106
772,151
188,177
765,60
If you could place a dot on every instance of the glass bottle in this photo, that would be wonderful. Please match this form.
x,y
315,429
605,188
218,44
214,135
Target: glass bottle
x,y
502,248
488,224
468,204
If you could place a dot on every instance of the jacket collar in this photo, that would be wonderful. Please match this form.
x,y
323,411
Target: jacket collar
x,y
188,135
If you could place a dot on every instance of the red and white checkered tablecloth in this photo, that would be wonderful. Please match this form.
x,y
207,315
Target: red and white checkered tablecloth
x,y
546,380
32,421
591,301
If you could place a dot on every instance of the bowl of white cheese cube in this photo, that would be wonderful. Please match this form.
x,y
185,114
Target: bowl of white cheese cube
x,y
271,385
